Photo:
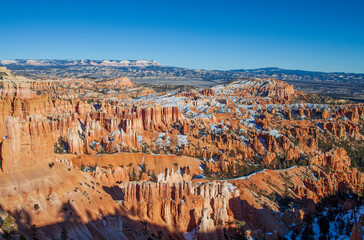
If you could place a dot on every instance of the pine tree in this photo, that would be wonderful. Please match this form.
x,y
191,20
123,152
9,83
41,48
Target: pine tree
x,y
153,177
133,175
308,231
324,225
348,228
143,167
207,171
83,167
230,171
240,170
34,230
9,226
64,234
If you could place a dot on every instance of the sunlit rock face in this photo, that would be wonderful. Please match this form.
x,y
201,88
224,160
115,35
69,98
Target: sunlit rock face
x,y
253,157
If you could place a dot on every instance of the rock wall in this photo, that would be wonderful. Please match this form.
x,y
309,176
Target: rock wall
x,y
27,143
182,206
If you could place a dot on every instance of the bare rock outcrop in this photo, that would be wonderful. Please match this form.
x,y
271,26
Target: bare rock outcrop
x,y
27,143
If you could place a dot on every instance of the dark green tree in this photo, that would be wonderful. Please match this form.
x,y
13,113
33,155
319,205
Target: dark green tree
x,y
34,231
9,226
83,167
207,171
308,231
324,225
64,234
133,175
230,171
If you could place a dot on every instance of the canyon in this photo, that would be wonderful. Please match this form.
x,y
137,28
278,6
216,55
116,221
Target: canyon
x,y
113,159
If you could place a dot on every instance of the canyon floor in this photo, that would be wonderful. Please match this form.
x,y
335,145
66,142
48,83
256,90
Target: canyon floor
x,y
96,158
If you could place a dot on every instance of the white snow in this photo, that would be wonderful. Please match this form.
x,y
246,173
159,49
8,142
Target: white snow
x,y
275,133
231,187
182,140
244,177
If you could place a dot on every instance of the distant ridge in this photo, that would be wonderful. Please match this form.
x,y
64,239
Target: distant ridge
x,y
288,71
82,62
336,84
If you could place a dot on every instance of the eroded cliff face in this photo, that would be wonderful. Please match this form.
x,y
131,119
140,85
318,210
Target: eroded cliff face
x,y
207,164
27,143
183,206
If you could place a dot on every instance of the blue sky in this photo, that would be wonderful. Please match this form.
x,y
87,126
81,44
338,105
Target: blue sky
x,y
309,35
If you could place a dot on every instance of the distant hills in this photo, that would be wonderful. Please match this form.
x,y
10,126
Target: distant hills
x,y
292,75
85,62
336,84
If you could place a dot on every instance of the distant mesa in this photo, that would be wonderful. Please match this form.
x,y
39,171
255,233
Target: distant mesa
x,y
4,71
15,86
84,62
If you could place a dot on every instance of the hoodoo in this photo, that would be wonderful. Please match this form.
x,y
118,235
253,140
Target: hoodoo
x,y
111,159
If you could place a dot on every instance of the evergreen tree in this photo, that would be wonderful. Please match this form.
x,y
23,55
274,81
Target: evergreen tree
x,y
133,175
9,226
308,231
34,230
64,234
153,177
143,167
240,170
83,167
324,225
207,171
230,171
348,228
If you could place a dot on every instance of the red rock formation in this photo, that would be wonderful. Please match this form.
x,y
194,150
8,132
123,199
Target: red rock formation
x,y
357,232
268,158
189,94
337,159
173,177
27,143
293,154
170,204
207,92
118,82
75,143
227,126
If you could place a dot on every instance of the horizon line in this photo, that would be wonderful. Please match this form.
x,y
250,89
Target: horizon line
x,y
190,68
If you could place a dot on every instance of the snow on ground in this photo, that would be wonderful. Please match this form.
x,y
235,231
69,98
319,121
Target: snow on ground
x,y
347,217
161,137
192,235
244,177
182,140
262,140
231,187
274,133
141,165
116,132
140,139
200,176
316,227
216,129
334,232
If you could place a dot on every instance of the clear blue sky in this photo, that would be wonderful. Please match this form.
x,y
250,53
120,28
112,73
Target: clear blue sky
x,y
293,34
